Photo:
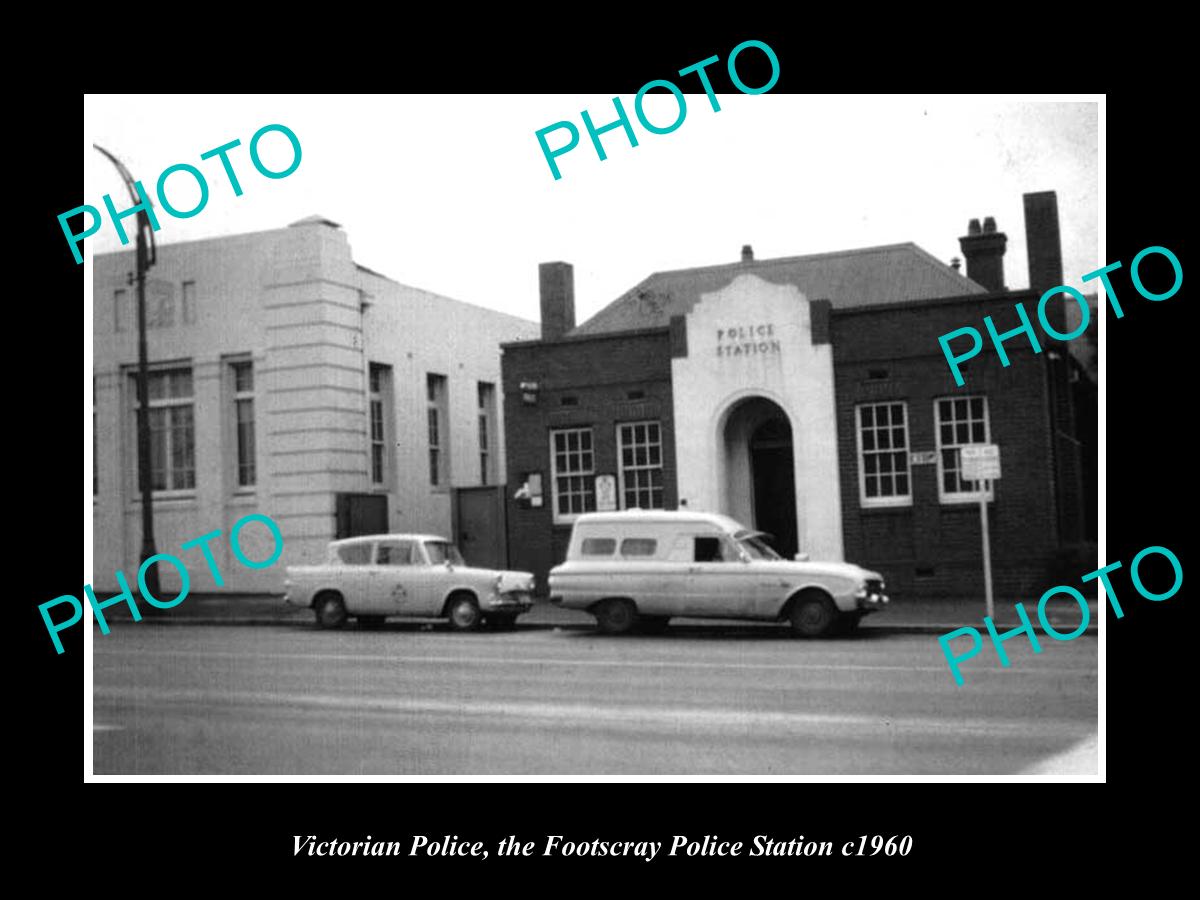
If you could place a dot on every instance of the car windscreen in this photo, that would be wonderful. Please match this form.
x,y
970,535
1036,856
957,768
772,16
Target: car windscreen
x,y
755,546
443,551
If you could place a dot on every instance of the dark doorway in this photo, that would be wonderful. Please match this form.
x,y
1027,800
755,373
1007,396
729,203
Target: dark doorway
x,y
361,514
479,527
771,469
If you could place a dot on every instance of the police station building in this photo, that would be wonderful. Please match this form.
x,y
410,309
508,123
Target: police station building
x,y
290,381
808,397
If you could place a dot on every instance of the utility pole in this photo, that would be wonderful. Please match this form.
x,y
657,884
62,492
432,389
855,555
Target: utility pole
x,y
146,257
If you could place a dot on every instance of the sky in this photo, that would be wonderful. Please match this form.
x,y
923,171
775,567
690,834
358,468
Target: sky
x,y
452,194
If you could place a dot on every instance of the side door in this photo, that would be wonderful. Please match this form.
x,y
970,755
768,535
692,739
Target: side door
x,y
720,583
354,575
393,587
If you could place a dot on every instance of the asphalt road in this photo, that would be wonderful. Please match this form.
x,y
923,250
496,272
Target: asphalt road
x,y
407,700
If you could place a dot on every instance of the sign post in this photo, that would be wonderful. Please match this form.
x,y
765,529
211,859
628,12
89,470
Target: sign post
x,y
981,464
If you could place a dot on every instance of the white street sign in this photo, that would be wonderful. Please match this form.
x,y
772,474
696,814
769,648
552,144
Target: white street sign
x,y
980,462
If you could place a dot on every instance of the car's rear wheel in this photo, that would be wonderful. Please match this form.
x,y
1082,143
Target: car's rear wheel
x,y
330,610
463,613
616,616
813,614
653,624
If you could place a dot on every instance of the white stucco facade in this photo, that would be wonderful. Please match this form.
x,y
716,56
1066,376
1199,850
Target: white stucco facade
x,y
753,339
311,323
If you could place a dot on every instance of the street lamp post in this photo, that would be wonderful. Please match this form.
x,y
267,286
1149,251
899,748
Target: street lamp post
x,y
146,257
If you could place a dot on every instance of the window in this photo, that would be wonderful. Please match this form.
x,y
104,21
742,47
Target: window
x,y
639,449
243,408
95,446
189,302
487,427
572,468
397,553
435,392
960,420
379,378
884,477
714,549
599,546
121,317
355,554
160,304
639,547
172,429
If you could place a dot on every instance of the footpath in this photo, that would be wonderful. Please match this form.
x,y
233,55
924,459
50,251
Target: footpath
x,y
902,616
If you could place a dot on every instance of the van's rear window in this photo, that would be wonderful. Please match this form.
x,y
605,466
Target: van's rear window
x,y
639,547
599,546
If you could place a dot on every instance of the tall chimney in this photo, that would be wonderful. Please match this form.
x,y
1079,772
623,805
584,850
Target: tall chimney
x,y
984,249
747,253
1042,241
556,284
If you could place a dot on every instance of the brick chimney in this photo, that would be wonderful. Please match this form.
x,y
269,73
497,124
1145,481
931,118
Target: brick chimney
x,y
984,249
556,284
747,253
1042,241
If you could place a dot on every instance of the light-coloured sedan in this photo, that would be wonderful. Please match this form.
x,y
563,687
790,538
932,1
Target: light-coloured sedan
x,y
377,576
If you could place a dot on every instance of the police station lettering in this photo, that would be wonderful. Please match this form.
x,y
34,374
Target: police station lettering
x,y
1027,628
145,206
746,340
184,580
1085,313
622,120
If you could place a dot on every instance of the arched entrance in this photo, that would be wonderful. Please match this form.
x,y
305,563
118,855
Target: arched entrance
x,y
758,483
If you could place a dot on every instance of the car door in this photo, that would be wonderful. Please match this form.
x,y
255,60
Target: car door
x,y
431,577
353,570
720,582
394,590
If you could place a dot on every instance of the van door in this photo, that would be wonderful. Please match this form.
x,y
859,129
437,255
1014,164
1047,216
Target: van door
x,y
720,583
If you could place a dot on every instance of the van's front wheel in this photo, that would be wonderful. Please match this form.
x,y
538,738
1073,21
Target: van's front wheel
x,y
615,616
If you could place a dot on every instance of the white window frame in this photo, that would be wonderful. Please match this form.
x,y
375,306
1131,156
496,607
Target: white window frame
x,y
945,496
622,468
164,403
896,500
437,420
240,397
486,399
377,400
589,475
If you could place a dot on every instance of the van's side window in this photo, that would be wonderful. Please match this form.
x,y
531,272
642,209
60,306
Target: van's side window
x,y
639,547
599,546
714,549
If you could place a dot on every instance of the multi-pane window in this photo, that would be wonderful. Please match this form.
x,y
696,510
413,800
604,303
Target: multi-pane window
x,y
243,407
172,429
639,449
436,414
884,477
572,469
377,400
487,415
960,421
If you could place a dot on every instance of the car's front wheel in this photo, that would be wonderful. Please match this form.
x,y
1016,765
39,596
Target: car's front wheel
x,y
330,610
463,613
813,614
616,616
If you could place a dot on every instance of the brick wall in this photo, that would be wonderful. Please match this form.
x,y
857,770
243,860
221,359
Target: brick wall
x,y
600,374
932,548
